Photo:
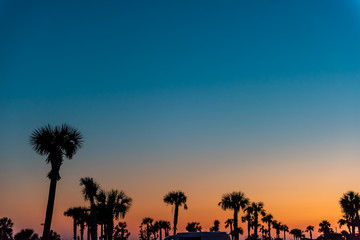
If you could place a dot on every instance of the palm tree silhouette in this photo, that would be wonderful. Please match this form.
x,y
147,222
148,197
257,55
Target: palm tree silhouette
x,y
234,201
176,198
55,143
324,227
285,229
90,190
350,206
310,229
74,213
163,225
6,228
148,222
117,205
248,218
277,226
257,209
193,227
216,226
229,223
26,234
268,219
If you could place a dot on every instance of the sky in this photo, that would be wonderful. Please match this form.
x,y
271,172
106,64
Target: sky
x,y
207,97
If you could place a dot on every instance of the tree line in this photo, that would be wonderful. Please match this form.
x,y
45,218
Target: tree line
x,y
59,142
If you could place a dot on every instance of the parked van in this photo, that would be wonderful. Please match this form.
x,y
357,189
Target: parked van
x,y
199,236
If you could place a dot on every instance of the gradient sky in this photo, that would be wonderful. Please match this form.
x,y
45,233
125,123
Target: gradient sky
x,y
207,97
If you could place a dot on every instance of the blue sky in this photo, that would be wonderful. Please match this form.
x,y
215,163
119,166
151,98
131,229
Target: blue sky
x,y
180,81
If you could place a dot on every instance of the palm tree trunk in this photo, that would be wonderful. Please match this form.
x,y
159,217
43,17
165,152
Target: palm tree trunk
x,y
102,231
269,229
310,235
176,215
74,228
160,234
231,232
249,227
256,225
49,209
82,230
284,235
93,220
236,230
88,232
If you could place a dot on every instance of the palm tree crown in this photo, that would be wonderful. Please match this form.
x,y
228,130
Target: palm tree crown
x,y
55,143
234,201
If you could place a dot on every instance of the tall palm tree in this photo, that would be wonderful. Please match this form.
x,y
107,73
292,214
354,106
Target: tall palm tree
x,y
55,143
350,206
257,209
90,190
310,229
176,198
234,201
285,229
229,223
74,213
324,227
6,230
268,219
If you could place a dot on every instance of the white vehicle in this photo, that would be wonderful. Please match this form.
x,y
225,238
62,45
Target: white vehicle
x,y
199,236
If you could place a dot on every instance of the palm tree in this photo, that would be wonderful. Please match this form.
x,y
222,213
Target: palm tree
x,y
55,143
234,201
248,218
90,190
166,226
277,226
350,206
296,232
176,198
193,227
285,229
268,219
229,223
324,227
117,205
6,228
148,223
257,209
74,213
101,212
26,234
216,226
310,229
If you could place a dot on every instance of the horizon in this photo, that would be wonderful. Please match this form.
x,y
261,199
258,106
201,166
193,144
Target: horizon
x,y
205,97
